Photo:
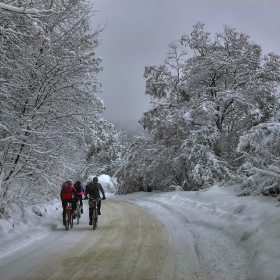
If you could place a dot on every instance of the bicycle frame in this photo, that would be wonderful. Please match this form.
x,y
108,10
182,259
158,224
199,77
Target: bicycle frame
x,y
69,217
93,204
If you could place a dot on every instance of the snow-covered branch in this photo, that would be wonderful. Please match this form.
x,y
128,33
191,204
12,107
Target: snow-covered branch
x,y
24,10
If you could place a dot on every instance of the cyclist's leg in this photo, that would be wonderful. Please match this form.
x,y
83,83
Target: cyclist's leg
x,y
90,216
99,207
64,204
81,204
94,216
74,204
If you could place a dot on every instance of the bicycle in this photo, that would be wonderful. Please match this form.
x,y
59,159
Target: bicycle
x,y
78,212
93,204
69,216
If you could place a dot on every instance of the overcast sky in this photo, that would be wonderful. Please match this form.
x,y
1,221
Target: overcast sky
x,y
138,33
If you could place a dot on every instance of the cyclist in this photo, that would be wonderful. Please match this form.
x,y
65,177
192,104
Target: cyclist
x,y
67,194
93,190
80,189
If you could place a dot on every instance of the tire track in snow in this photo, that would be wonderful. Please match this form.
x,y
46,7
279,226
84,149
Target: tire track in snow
x,y
217,256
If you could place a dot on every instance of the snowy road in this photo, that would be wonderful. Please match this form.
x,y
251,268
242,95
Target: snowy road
x,y
197,251
130,243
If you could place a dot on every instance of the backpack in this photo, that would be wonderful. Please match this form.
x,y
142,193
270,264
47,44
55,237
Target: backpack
x,y
78,187
93,189
66,191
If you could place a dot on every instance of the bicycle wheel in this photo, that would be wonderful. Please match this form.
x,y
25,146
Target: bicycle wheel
x,y
68,219
71,221
66,223
94,215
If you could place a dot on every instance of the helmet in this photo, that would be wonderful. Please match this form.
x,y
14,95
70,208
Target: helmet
x,y
95,179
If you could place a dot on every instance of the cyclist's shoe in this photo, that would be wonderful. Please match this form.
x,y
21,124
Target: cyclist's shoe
x,y
82,211
74,216
99,213
64,222
90,222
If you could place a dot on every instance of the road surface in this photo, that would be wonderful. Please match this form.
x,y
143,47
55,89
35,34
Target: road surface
x,y
132,241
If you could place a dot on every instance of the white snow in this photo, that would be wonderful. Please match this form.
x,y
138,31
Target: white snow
x,y
221,224
251,222
188,116
22,9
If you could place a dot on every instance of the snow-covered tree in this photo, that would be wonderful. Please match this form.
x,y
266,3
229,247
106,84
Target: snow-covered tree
x,y
105,152
260,172
49,109
230,79
135,158
207,94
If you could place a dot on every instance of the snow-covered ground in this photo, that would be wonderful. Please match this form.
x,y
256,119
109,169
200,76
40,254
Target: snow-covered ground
x,y
252,224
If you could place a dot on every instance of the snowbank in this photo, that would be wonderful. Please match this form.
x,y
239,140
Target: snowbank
x,y
252,221
22,228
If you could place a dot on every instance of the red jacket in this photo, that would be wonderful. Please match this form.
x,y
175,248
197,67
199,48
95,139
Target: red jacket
x,y
67,191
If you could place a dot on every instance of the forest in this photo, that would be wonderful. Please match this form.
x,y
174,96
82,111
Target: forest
x,y
214,117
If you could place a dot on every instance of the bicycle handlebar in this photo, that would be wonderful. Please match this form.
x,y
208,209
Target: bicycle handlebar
x,y
94,199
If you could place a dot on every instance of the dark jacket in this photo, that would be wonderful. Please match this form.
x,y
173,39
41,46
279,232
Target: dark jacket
x,y
94,189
